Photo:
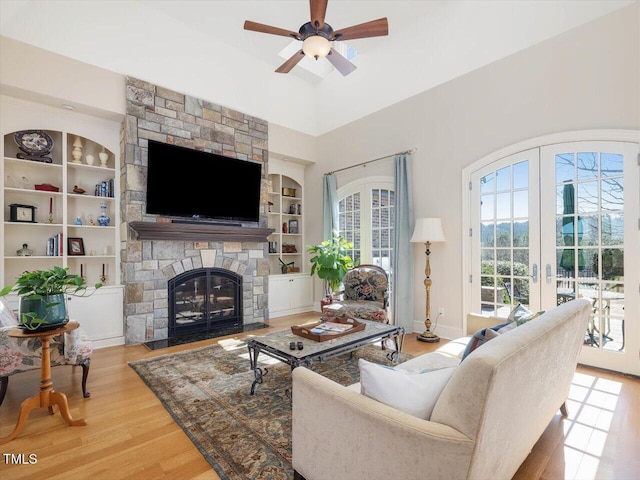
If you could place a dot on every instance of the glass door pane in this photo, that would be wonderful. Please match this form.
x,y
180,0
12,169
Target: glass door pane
x,y
590,240
349,223
589,224
504,258
382,215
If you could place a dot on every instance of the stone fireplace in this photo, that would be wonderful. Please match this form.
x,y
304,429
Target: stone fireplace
x,y
156,252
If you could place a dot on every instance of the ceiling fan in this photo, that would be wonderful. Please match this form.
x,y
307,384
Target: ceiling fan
x,y
316,37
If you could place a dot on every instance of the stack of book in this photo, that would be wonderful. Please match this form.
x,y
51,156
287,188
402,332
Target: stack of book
x,y
330,328
105,189
54,245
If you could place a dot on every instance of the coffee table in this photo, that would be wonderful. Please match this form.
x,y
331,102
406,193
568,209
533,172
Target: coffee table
x,y
276,345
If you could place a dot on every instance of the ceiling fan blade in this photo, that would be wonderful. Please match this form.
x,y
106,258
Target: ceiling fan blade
x,y
374,28
292,62
344,66
318,10
259,27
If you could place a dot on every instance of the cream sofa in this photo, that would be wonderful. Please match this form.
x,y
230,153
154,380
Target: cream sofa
x,y
485,422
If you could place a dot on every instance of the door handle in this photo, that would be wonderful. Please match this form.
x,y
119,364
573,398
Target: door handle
x,y
548,273
534,271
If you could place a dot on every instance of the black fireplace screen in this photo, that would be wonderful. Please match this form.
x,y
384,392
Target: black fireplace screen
x,y
204,299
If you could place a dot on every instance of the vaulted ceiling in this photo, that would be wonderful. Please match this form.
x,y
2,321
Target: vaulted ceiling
x,y
200,47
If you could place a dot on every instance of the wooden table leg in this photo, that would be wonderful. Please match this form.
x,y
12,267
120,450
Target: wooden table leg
x,y
25,408
46,398
60,399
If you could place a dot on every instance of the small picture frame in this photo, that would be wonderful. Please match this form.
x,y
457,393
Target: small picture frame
x,y
75,246
293,226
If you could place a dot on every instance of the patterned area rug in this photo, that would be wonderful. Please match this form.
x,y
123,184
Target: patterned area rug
x,y
242,436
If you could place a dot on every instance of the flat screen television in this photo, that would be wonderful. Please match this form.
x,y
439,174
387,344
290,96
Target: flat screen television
x,y
187,183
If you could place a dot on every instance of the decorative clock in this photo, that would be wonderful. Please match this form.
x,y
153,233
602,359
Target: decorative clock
x,y
35,145
22,213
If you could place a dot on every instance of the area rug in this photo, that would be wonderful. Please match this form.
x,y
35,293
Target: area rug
x,y
242,436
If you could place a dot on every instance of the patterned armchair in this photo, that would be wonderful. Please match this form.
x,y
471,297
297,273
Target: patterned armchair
x,y
365,295
22,354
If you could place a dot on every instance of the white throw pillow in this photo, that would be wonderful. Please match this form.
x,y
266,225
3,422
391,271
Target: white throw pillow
x,y
415,393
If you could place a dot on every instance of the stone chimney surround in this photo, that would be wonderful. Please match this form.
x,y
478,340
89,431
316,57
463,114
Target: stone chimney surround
x,y
149,260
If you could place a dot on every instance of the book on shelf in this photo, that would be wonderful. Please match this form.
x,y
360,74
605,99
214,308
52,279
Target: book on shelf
x,y
105,189
54,245
331,328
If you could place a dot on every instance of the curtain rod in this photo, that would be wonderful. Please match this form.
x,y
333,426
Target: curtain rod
x,y
406,152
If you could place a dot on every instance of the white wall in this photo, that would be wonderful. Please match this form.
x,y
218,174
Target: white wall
x,y
587,78
37,75
95,91
287,144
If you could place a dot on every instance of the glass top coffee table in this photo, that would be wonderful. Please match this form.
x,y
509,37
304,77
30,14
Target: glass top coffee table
x,y
276,345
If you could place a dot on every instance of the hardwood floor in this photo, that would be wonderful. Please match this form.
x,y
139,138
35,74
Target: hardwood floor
x,y
129,434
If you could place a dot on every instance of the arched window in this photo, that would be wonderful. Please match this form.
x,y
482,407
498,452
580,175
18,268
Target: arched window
x,y
366,218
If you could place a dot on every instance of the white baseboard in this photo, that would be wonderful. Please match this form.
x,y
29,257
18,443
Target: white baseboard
x,y
107,342
442,331
291,311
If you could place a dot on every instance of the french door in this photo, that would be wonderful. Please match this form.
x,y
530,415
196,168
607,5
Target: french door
x,y
559,222
505,255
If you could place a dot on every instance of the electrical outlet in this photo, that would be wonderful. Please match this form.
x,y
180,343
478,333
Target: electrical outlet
x,y
441,311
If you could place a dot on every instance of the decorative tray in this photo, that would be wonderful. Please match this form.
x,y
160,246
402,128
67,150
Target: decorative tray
x,y
328,328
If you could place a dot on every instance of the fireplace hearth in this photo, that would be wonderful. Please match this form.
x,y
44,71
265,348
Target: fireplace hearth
x,y
200,336
203,300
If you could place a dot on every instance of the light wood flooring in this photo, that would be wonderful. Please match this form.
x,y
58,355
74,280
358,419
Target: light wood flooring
x,y
130,435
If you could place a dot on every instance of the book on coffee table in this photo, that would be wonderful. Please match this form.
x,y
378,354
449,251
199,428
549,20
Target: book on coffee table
x,y
331,328
328,330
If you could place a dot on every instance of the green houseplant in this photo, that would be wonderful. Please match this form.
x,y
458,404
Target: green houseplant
x,y
42,296
330,261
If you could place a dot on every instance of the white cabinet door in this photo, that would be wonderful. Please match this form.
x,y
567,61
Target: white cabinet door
x,y
100,315
289,294
301,292
279,296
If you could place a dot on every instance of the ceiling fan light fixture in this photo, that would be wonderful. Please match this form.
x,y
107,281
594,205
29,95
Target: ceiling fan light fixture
x,y
317,38
316,46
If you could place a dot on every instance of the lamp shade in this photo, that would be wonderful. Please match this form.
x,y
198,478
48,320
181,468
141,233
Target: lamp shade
x,y
428,230
316,47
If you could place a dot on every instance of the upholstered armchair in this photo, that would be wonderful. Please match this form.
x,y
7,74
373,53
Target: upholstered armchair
x,y
22,354
365,295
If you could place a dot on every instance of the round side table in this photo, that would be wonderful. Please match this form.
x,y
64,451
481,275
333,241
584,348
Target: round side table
x,y
47,397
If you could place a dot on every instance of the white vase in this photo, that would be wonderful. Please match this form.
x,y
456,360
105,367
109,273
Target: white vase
x,y
89,159
104,156
76,152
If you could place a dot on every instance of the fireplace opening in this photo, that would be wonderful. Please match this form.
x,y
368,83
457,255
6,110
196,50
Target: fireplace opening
x,y
204,299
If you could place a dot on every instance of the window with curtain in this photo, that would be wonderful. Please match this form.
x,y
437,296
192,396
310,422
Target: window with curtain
x,y
366,218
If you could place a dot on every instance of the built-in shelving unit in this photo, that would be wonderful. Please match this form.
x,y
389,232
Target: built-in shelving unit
x,y
63,214
285,217
85,153
290,292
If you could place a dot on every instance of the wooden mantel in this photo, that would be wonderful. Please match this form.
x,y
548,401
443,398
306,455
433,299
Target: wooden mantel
x,y
198,232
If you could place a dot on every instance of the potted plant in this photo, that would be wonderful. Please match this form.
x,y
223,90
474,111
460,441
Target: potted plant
x,y
42,296
331,261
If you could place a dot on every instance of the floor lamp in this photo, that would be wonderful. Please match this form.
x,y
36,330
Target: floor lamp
x,y
428,230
